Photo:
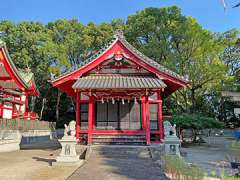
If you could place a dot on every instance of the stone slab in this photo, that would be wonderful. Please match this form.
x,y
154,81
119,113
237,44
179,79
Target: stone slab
x,y
67,159
9,145
77,163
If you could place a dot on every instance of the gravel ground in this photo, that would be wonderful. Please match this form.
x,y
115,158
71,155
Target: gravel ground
x,y
211,156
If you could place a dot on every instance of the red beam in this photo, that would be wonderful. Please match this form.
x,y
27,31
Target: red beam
x,y
129,132
118,67
5,78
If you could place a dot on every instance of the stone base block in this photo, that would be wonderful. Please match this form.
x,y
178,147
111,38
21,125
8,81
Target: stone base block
x,y
67,159
64,163
9,145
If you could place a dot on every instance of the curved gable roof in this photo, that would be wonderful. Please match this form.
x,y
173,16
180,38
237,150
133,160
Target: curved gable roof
x,y
118,37
22,79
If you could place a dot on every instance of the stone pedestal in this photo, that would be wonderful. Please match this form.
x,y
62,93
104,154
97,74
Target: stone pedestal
x,y
172,145
68,155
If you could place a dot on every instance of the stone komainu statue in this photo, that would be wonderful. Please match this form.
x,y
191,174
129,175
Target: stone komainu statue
x,y
169,130
70,130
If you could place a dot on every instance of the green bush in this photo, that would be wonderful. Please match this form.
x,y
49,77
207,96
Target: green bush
x,y
176,168
195,121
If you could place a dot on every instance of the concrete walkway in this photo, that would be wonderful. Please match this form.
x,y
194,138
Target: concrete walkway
x,y
119,163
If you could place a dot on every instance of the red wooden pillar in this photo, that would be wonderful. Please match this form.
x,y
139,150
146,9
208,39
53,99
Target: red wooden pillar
x,y
1,109
147,123
90,118
20,106
160,117
78,116
26,103
143,113
13,104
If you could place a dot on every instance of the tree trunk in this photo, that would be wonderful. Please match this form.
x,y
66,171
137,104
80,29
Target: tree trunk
x,y
44,100
195,133
73,103
33,102
193,99
57,106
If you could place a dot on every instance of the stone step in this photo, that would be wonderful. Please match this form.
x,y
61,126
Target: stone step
x,y
119,139
129,135
120,151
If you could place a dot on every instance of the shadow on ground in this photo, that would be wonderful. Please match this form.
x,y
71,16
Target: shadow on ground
x,y
49,161
46,145
119,162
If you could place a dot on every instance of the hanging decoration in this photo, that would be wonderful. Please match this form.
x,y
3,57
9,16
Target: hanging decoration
x,y
122,101
135,100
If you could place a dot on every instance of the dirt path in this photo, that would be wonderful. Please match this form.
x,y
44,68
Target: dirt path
x,y
33,164
119,163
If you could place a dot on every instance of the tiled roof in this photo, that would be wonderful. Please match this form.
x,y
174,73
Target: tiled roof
x,y
118,82
148,60
25,77
119,36
15,70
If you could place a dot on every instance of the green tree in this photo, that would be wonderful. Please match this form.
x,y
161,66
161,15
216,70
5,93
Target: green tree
x,y
182,45
26,43
71,44
195,122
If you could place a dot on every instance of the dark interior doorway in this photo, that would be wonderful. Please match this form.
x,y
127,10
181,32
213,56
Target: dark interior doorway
x,y
118,116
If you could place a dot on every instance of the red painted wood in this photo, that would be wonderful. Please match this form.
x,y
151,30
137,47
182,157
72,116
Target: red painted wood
x,y
143,113
26,103
154,101
147,122
119,67
5,78
78,116
116,46
1,109
130,132
90,119
20,99
13,111
160,117
85,68
13,76
10,70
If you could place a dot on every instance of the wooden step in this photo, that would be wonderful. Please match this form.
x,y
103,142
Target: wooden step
x,y
119,139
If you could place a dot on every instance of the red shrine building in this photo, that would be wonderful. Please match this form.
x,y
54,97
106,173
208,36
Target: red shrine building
x,y
15,88
119,93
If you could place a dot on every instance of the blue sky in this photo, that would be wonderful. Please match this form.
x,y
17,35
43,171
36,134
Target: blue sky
x,y
209,13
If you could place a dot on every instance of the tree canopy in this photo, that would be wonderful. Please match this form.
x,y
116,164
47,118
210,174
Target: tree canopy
x,y
208,59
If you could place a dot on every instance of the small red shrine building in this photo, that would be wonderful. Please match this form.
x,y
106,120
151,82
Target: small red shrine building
x,y
119,93
15,87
